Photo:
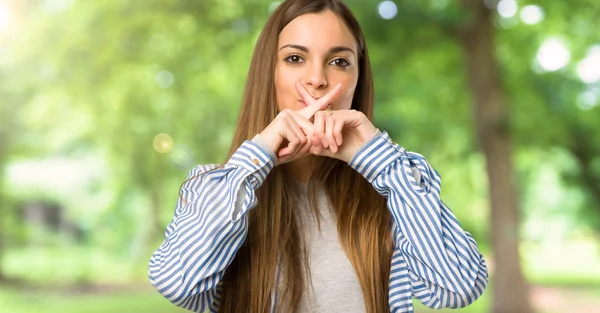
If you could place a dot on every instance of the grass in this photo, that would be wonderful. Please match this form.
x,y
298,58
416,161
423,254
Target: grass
x,y
13,300
481,305
575,277
145,300
19,301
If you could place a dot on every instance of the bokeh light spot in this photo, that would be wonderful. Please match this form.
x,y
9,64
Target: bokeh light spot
x,y
532,14
56,6
240,26
387,9
507,8
588,69
5,16
553,55
587,100
439,4
165,79
162,143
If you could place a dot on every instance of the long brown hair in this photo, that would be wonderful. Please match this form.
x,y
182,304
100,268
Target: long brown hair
x,y
274,238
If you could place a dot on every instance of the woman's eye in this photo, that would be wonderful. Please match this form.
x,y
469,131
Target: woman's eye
x,y
293,59
340,62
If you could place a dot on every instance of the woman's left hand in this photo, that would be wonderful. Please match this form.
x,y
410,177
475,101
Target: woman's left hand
x,y
338,133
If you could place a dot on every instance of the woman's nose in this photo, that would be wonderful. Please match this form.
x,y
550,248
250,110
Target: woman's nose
x,y
316,78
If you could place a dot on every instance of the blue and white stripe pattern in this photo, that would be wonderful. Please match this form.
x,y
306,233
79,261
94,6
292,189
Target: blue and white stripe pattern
x,y
434,259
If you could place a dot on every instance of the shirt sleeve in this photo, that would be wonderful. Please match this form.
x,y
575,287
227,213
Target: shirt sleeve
x,y
445,267
209,226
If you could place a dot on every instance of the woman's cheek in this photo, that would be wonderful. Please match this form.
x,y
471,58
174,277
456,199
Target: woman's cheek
x,y
343,103
346,101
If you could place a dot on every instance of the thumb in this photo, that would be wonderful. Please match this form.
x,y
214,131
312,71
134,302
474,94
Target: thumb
x,y
320,151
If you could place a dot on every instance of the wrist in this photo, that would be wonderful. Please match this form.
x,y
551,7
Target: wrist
x,y
258,140
269,142
369,135
367,139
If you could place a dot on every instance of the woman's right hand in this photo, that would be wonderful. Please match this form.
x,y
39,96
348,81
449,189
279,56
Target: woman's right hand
x,y
294,128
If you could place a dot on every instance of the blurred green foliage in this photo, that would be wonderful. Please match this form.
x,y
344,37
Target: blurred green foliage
x,y
106,105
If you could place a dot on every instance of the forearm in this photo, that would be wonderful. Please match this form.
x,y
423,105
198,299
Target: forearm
x,y
209,226
436,249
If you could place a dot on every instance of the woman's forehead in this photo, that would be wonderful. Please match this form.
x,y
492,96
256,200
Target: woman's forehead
x,y
317,31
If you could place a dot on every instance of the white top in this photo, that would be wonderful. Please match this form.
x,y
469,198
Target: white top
x,y
332,284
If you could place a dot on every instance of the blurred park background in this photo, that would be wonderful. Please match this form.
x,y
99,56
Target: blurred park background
x,y
106,105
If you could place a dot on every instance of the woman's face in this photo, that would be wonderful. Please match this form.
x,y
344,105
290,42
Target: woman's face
x,y
318,51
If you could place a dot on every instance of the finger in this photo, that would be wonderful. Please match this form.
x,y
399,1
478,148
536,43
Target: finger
x,y
295,122
305,125
292,139
326,99
285,152
302,151
300,127
284,160
316,150
329,124
304,94
313,106
337,132
316,141
319,129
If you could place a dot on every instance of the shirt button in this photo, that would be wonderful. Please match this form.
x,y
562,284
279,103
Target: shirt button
x,y
255,161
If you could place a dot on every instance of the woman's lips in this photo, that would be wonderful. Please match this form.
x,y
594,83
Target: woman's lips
x,y
303,104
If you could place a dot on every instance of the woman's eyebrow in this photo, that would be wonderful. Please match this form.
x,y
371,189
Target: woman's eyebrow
x,y
293,46
332,50
337,49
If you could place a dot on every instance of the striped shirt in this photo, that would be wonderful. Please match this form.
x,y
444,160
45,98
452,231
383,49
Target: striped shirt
x,y
434,259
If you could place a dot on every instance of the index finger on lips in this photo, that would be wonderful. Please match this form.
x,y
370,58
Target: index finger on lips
x,y
311,104
315,105
326,99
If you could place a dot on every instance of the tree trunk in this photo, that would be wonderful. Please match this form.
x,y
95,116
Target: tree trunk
x,y
510,290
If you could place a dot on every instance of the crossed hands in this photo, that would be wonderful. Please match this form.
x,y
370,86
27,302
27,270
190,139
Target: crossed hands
x,y
313,130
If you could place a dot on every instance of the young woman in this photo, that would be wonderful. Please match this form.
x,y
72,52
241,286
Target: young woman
x,y
315,209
